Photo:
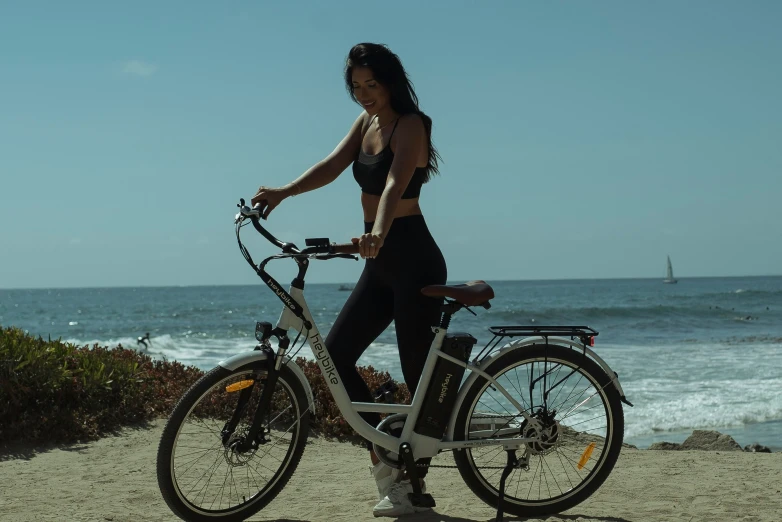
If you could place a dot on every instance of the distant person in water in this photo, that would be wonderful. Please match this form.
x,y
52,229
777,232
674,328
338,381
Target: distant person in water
x,y
144,340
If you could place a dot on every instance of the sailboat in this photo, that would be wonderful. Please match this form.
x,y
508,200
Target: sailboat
x,y
669,273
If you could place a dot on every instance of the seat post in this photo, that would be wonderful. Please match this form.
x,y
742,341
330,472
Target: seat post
x,y
445,322
448,309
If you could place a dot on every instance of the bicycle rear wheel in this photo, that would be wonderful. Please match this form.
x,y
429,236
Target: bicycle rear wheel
x,y
204,478
579,437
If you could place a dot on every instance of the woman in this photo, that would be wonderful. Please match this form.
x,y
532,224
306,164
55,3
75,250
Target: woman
x,y
392,154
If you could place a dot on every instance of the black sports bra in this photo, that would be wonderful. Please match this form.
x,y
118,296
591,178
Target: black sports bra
x,y
371,171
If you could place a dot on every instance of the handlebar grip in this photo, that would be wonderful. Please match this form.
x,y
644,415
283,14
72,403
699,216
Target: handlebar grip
x,y
345,248
260,207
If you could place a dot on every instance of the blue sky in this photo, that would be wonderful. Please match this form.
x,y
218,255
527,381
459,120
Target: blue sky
x,y
580,139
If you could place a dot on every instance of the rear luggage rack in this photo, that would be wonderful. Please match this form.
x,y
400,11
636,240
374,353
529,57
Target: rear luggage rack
x,y
544,331
584,334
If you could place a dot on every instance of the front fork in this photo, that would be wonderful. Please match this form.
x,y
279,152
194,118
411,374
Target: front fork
x,y
250,441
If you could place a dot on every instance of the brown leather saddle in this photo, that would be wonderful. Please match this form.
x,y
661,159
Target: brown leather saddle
x,y
472,293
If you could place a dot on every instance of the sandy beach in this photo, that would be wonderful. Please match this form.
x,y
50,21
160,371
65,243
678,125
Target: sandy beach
x,y
113,479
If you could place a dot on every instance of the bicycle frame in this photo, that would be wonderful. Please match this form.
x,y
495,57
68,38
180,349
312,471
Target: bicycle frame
x,y
423,446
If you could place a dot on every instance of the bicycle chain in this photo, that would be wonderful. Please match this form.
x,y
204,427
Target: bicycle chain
x,y
455,467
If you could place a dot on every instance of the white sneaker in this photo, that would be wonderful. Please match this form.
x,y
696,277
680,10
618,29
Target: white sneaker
x,y
396,503
384,476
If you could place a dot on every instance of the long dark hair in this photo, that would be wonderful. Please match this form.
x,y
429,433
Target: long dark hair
x,y
387,69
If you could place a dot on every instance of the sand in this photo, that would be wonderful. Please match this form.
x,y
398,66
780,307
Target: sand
x,y
113,479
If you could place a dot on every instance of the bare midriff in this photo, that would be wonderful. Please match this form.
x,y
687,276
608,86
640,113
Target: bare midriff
x,y
405,207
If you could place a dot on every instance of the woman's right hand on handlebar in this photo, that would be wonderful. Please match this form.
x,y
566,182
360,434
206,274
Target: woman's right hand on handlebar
x,y
268,198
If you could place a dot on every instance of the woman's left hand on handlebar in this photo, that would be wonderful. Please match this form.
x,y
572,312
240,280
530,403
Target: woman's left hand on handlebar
x,y
269,198
368,245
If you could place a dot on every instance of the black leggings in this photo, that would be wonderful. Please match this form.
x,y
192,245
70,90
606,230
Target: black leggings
x,y
390,289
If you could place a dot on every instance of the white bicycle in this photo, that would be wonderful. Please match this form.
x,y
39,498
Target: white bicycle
x,y
544,399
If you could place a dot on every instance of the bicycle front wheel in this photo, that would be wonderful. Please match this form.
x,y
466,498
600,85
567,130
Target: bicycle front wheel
x,y
577,436
205,475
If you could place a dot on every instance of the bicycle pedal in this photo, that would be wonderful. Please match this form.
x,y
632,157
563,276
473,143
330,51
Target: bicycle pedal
x,y
423,500
385,392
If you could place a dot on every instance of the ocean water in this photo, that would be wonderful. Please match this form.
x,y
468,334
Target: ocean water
x,y
705,353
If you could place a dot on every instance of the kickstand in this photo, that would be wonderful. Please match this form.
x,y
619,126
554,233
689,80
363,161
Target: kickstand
x,y
513,462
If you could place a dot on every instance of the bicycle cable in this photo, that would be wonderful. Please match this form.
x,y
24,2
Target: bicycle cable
x,y
303,342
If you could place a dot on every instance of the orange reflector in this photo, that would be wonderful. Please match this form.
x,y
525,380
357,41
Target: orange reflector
x,y
239,385
585,456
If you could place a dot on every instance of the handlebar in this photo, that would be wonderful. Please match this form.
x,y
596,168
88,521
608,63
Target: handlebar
x,y
315,246
345,248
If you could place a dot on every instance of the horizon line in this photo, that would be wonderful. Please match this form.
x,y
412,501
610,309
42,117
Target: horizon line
x,y
678,278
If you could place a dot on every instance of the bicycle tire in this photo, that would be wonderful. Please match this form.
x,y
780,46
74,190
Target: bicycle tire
x,y
609,452
177,500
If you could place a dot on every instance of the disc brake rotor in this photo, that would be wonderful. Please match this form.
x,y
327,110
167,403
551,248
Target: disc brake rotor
x,y
546,433
233,456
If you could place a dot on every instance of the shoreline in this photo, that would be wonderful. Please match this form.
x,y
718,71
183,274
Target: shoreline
x,y
762,433
114,479
766,433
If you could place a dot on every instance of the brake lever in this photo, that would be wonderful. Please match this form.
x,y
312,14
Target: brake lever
x,y
239,217
247,212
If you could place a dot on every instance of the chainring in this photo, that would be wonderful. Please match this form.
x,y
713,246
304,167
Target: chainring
x,y
391,425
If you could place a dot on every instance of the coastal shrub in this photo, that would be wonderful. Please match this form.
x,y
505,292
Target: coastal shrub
x,y
55,391
52,391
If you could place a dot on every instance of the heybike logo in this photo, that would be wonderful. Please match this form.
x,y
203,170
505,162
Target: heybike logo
x,y
323,358
288,300
444,388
